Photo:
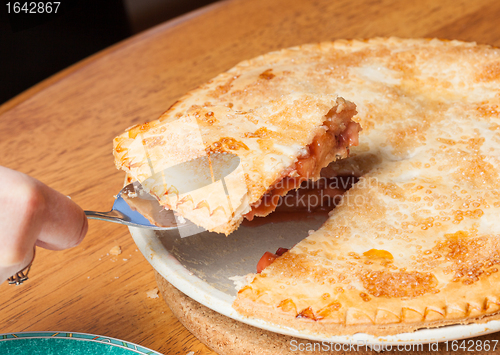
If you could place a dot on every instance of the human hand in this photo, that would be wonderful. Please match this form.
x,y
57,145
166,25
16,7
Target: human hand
x,y
31,213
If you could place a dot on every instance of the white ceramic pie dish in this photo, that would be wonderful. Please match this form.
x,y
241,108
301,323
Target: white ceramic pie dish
x,y
200,267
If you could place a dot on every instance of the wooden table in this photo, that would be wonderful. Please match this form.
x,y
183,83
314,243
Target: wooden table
x,y
60,132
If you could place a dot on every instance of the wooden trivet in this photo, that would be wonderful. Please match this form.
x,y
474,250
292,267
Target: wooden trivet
x,y
226,336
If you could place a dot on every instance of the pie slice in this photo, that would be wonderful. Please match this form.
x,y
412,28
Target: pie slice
x,y
229,149
415,243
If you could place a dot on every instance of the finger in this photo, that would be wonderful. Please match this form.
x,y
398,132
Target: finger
x,y
65,223
35,213
21,217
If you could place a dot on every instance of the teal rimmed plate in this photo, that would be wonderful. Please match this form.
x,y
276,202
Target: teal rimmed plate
x,y
67,343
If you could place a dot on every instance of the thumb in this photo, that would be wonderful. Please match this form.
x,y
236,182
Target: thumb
x,y
65,223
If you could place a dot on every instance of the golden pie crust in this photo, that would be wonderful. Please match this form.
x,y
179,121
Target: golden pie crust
x,y
415,243
268,118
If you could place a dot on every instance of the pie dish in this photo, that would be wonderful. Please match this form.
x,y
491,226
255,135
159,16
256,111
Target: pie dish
x,y
415,242
204,267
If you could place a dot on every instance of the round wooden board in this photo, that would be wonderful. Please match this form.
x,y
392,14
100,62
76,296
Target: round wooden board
x,y
226,336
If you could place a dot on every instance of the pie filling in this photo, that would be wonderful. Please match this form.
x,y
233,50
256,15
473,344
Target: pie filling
x,y
268,258
339,133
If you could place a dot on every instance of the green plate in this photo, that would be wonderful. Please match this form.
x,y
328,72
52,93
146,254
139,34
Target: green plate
x,y
59,343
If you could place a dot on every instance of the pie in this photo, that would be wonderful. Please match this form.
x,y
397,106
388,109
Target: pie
x,y
229,149
415,242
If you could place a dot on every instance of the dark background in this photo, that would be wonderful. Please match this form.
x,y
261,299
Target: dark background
x,y
35,46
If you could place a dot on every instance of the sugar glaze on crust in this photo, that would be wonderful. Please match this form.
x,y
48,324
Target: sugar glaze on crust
x,y
415,243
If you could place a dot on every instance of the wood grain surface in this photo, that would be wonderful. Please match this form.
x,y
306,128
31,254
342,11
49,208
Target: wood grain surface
x,y
60,132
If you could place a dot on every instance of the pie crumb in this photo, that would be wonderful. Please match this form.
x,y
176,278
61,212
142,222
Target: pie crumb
x,y
116,250
153,293
190,353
